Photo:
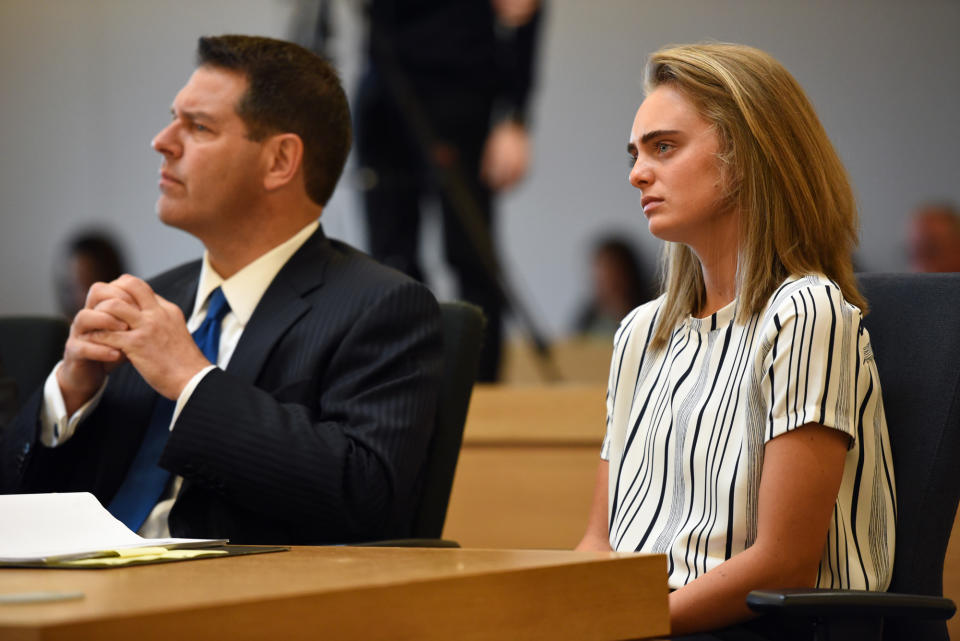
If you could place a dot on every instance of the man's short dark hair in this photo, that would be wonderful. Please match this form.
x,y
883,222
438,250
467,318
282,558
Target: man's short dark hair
x,y
291,90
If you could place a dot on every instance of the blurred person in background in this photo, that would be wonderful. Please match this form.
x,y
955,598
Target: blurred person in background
x,y
934,238
619,284
90,257
468,66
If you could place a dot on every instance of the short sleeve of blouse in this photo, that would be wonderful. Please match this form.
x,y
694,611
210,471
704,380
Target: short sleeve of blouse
x,y
810,367
618,346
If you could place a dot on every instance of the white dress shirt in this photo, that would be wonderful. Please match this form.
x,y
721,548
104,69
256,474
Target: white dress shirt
x,y
243,292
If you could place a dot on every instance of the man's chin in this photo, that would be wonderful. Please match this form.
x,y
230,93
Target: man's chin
x,y
170,216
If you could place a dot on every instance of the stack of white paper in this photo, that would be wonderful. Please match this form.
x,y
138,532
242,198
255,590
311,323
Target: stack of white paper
x,y
45,527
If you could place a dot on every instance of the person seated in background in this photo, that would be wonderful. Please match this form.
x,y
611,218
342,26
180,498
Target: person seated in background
x,y
619,285
90,257
301,408
746,437
934,238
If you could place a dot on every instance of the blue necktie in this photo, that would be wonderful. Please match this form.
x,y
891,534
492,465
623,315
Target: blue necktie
x,y
145,480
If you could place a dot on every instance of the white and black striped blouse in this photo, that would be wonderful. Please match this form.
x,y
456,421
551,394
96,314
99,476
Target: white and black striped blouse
x,y
687,424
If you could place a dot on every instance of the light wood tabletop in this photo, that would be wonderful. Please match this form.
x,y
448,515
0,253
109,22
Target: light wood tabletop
x,y
351,593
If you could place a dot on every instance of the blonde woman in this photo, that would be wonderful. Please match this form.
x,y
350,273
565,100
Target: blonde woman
x,y
746,438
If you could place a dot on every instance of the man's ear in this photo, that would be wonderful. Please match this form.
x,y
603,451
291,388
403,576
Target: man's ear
x,y
284,157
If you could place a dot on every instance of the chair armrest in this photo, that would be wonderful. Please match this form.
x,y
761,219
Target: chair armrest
x,y
849,603
410,543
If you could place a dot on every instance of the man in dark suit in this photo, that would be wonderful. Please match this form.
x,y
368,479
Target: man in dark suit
x,y
309,419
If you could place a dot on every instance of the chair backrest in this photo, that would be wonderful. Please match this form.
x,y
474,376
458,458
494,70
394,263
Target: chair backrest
x,y
462,339
914,328
29,347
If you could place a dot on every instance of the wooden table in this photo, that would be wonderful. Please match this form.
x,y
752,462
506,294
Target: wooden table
x,y
351,593
576,360
528,465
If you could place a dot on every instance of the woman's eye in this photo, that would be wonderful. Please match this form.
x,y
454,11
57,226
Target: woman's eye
x,y
631,161
663,147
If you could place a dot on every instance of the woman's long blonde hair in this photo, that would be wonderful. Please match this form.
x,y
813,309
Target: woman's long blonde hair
x,y
797,209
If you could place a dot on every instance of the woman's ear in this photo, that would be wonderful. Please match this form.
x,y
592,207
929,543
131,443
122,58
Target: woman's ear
x,y
284,157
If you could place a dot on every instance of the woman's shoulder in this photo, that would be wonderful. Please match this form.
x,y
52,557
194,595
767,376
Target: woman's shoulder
x,y
807,295
643,314
639,323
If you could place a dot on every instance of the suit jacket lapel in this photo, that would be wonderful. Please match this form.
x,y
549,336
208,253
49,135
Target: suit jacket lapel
x,y
281,306
184,294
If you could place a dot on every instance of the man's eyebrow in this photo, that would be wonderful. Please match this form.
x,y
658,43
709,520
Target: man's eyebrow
x,y
193,115
650,135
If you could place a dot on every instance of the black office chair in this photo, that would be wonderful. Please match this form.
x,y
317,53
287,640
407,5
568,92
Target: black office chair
x,y
462,339
29,348
914,328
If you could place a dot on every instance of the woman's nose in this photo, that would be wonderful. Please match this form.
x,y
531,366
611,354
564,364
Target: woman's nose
x,y
641,175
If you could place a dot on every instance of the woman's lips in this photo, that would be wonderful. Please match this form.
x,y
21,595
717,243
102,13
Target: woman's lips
x,y
649,203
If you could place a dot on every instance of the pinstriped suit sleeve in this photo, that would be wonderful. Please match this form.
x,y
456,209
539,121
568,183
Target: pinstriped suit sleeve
x,y
334,453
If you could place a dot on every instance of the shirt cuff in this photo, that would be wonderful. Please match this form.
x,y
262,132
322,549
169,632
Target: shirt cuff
x,y
188,392
56,427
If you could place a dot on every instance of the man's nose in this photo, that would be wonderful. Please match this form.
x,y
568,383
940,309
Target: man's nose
x,y
165,142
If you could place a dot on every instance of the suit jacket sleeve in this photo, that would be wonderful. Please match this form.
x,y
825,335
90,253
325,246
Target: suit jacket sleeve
x,y
333,452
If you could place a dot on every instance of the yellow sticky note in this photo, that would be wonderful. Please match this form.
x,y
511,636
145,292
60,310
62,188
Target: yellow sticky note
x,y
135,552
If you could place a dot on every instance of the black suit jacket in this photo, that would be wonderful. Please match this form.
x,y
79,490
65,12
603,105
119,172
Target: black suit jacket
x,y
316,431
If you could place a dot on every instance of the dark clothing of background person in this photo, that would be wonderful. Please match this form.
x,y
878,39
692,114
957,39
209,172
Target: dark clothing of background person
x,y
8,398
314,433
468,74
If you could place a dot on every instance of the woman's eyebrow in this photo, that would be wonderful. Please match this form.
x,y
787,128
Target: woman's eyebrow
x,y
647,137
659,132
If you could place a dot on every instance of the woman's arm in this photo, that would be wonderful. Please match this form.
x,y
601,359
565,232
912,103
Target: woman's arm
x,y
801,476
596,538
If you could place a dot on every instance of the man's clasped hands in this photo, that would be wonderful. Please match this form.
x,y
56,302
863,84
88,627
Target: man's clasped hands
x,y
124,320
